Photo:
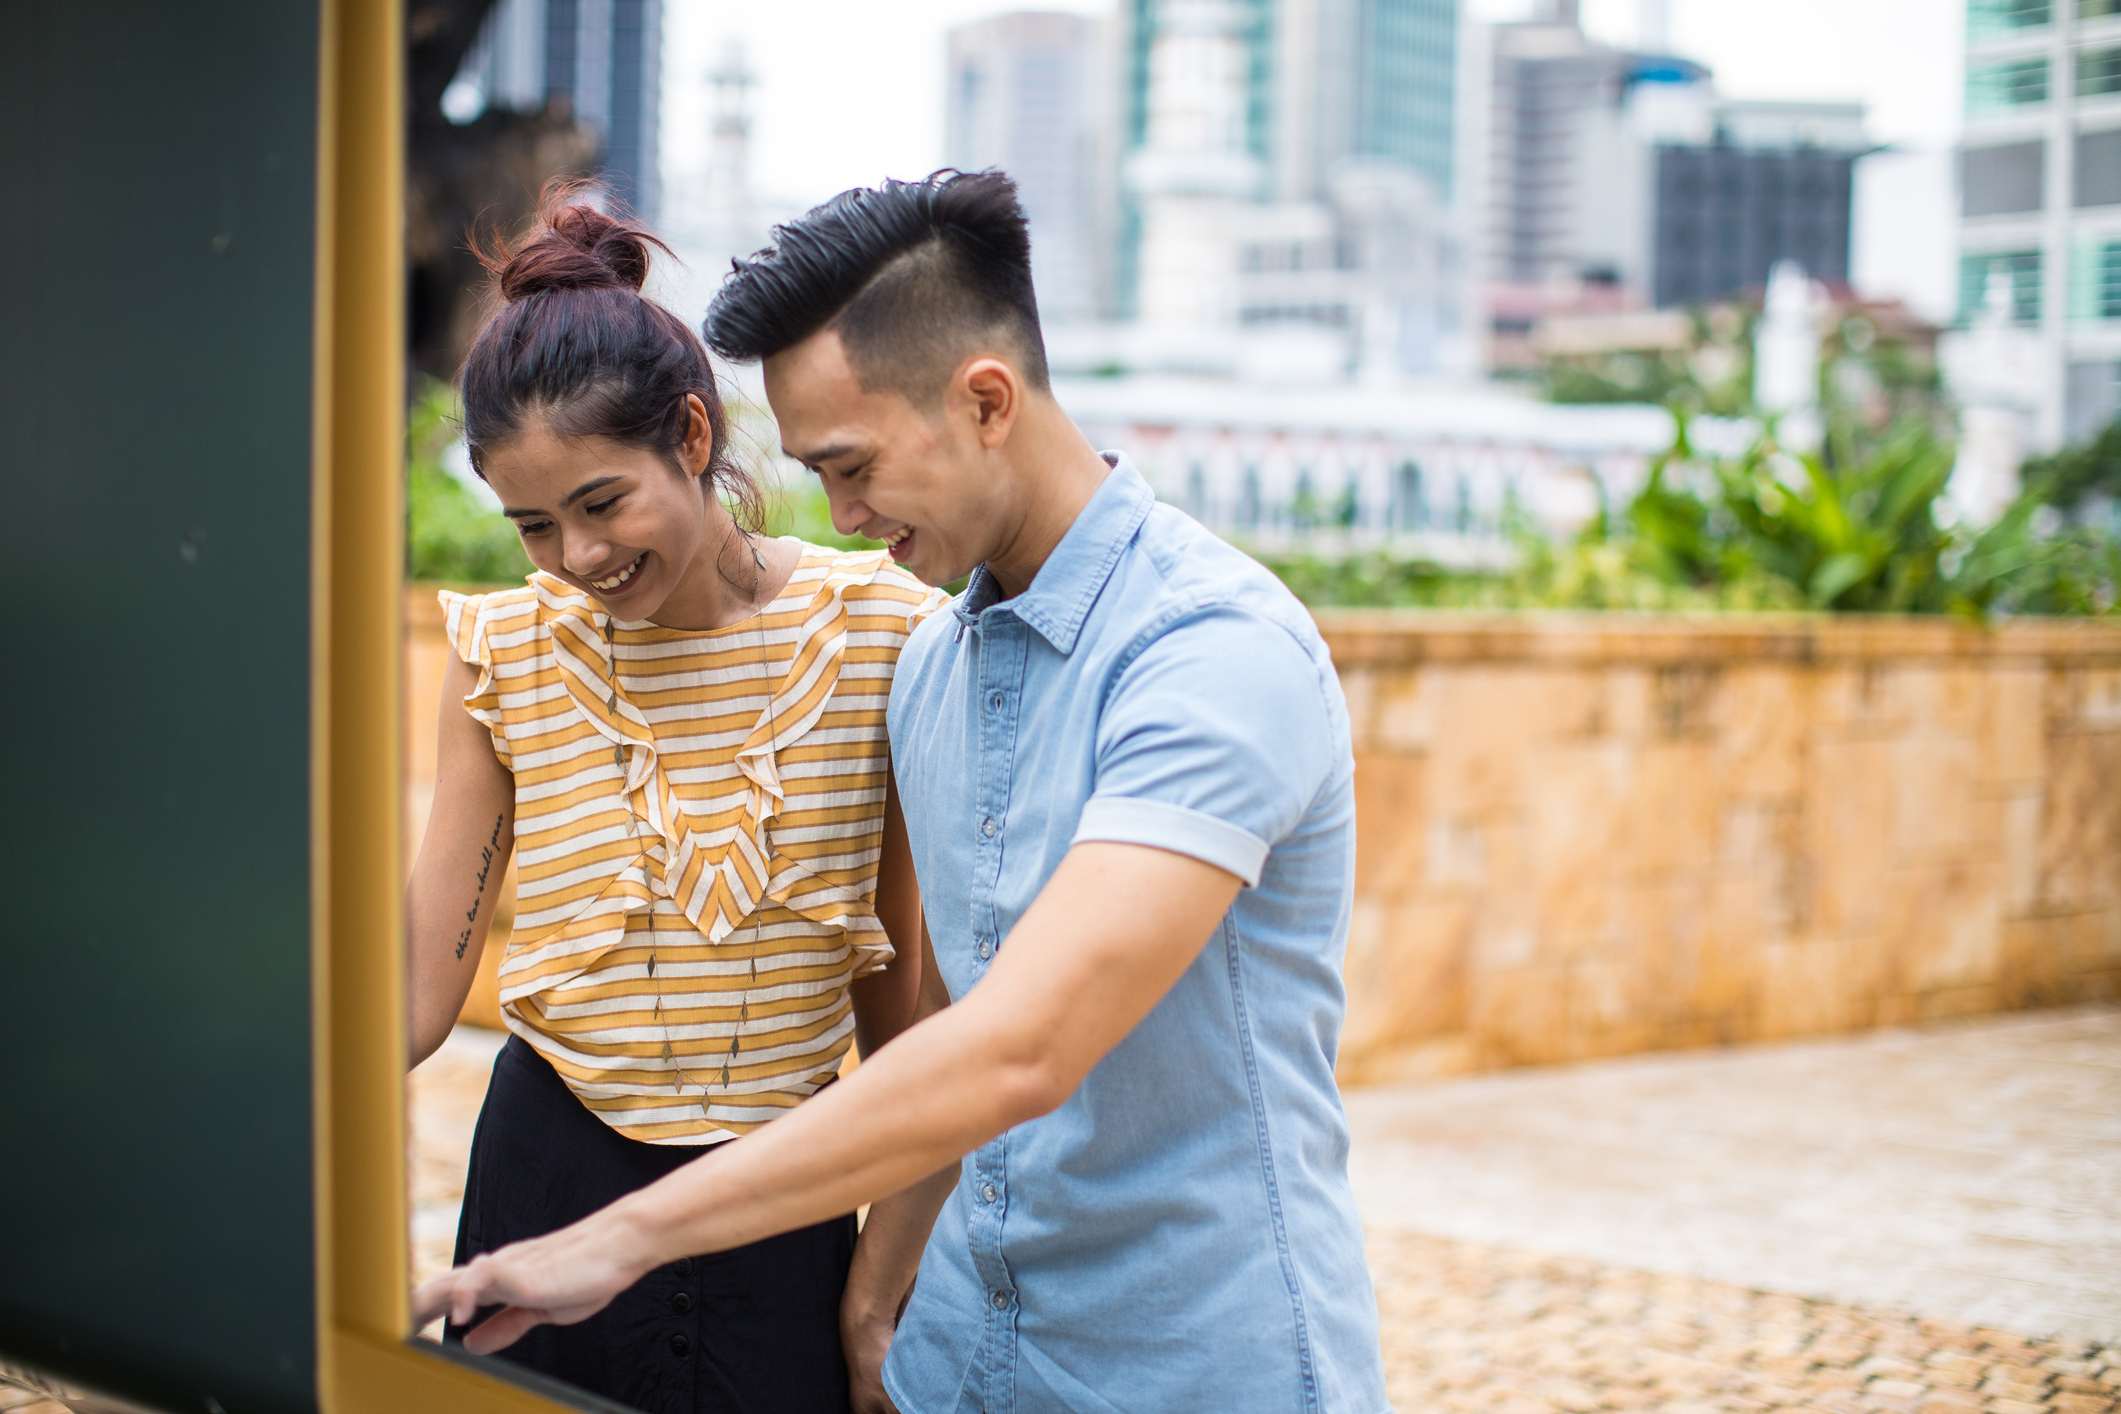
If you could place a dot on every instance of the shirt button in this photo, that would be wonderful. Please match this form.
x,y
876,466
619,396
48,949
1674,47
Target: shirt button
x,y
986,949
680,1345
987,827
683,1266
989,1194
1001,1303
681,1303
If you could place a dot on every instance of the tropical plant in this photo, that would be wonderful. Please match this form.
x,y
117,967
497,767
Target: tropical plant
x,y
449,535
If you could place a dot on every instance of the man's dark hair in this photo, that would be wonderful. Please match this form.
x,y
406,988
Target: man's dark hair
x,y
914,276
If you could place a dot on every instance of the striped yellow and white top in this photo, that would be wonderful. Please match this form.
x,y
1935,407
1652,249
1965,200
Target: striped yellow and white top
x,y
699,816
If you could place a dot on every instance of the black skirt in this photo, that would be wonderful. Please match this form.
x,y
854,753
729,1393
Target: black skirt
x,y
751,1331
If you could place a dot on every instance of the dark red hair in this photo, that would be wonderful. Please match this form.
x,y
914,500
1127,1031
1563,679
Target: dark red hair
x,y
575,345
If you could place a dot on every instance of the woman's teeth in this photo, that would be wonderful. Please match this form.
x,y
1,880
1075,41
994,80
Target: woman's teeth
x,y
622,576
897,535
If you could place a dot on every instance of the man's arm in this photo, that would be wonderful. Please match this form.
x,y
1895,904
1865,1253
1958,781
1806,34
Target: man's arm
x,y
1108,936
456,881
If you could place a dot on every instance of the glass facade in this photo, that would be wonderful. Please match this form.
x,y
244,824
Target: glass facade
x,y
2009,84
2098,71
1408,50
1991,17
2095,279
2023,268
2097,9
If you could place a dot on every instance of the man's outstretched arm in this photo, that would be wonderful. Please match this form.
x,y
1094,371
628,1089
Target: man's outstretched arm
x,y
1108,936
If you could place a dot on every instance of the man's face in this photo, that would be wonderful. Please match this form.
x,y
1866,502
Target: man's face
x,y
920,480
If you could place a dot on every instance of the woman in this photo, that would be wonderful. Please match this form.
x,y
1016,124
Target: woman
x,y
678,726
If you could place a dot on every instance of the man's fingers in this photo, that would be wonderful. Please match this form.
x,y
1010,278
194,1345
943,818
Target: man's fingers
x,y
503,1330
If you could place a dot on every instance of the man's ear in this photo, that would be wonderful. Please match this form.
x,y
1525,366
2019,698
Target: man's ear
x,y
993,393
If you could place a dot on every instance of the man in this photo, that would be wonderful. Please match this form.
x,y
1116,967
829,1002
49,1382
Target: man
x,y
1125,768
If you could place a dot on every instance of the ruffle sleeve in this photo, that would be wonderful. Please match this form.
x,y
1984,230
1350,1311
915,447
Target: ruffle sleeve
x,y
468,623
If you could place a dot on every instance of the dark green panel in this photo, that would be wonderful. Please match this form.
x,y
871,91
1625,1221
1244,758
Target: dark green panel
x,y
157,221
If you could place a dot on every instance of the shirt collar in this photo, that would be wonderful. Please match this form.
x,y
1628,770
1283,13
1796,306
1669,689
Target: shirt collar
x,y
1065,587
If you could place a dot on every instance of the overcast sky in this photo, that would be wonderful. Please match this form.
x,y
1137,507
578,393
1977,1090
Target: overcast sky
x,y
851,91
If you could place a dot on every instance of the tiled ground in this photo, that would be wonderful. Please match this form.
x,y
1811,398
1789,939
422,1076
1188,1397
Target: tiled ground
x,y
1969,1172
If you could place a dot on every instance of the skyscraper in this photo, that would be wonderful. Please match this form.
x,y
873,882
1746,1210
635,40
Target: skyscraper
x,y
1325,84
1614,179
2040,184
1024,95
603,57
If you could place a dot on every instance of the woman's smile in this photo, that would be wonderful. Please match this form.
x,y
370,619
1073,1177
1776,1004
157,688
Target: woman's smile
x,y
620,582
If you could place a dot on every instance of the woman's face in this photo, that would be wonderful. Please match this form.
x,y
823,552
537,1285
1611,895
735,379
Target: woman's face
x,y
616,521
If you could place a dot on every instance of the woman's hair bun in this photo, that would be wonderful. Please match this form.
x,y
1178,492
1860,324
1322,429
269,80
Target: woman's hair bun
x,y
574,246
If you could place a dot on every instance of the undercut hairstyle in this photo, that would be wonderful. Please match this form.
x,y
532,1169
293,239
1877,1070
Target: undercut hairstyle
x,y
574,345
915,277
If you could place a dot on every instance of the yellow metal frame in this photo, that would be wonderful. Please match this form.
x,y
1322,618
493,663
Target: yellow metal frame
x,y
364,1361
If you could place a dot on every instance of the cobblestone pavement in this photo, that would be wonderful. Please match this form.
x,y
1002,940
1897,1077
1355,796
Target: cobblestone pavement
x,y
1969,1172
1468,1328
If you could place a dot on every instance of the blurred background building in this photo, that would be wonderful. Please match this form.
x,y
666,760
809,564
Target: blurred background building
x,y
2040,194
1024,95
602,58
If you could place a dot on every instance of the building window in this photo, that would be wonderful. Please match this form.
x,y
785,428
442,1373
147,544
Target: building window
x,y
2096,9
1986,17
2023,268
1410,510
2011,84
1996,181
2099,168
2099,71
2095,283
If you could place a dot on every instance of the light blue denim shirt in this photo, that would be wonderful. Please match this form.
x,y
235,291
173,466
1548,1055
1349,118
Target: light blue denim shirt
x,y
1180,1235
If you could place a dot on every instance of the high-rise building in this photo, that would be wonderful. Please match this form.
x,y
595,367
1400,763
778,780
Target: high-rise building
x,y
602,57
1323,85
1026,95
2040,192
1614,179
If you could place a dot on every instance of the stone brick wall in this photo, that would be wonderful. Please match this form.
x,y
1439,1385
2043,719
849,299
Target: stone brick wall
x,y
1588,835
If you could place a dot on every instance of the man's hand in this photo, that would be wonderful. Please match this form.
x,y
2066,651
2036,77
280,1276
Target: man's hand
x,y
1114,927
559,1279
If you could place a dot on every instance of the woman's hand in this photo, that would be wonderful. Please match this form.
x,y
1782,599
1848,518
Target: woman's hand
x,y
865,1337
559,1279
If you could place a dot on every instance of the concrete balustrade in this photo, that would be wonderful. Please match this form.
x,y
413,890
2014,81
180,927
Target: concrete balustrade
x,y
1583,835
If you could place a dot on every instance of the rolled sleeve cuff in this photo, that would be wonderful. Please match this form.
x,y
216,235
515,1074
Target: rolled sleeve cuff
x,y
1125,820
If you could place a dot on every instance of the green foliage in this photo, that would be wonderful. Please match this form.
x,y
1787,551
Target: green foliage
x,y
2076,475
799,508
449,536
1855,527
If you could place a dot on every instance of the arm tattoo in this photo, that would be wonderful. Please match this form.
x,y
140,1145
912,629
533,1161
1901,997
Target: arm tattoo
x,y
471,916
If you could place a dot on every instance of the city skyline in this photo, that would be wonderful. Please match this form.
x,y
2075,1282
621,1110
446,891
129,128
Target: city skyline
x,y
873,104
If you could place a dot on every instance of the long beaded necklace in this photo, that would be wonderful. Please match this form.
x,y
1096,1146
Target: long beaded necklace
x,y
743,1015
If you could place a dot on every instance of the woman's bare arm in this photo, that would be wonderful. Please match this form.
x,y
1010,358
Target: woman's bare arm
x,y
885,1002
888,1254
450,902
